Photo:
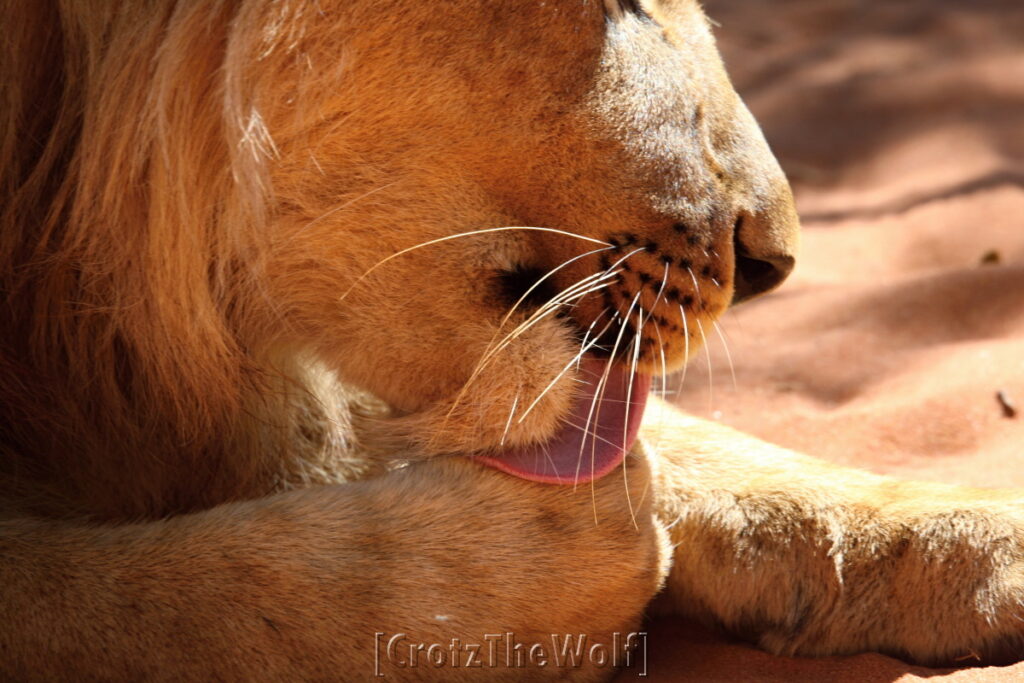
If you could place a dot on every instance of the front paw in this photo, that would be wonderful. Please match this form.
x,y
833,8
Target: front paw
x,y
958,580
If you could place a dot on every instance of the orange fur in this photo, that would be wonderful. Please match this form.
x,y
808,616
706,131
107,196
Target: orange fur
x,y
209,349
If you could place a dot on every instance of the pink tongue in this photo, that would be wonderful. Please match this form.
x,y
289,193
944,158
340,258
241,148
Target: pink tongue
x,y
573,455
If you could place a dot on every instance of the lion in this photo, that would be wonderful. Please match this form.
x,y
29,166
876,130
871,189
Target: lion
x,y
329,320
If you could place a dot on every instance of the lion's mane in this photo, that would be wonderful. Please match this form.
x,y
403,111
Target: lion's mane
x,y
132,195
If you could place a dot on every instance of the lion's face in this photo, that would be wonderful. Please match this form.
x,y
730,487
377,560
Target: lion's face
x,y
612,126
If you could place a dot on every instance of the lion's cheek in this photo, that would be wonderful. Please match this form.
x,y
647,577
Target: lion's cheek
x,y
522,395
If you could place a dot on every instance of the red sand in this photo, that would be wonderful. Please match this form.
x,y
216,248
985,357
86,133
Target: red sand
x,y
901,126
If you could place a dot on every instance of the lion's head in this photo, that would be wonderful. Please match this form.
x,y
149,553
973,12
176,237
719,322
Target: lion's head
x,y
211,211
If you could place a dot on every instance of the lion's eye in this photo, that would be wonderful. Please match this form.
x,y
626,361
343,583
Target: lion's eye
x,y
616,9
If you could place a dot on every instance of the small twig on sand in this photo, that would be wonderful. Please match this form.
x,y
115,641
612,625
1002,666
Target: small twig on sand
x,y
1009,408
970,655
992,257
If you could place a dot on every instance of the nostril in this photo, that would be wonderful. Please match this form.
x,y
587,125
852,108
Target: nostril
x,y
755,276
757,273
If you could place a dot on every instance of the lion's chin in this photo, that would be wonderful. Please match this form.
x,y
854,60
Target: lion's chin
x,y
595,437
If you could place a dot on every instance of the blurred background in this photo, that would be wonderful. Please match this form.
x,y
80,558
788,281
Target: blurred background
x,y
898,344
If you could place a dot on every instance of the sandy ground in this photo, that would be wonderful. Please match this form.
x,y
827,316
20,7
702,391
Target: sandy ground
x,y
901,126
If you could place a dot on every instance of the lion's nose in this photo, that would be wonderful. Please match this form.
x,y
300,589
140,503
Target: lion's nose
x,y
766,232
765,246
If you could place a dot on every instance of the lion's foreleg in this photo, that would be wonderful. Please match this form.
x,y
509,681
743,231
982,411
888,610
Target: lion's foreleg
x,y
297,586
809,558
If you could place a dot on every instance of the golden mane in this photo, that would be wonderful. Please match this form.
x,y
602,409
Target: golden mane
x,y
178,337
133,196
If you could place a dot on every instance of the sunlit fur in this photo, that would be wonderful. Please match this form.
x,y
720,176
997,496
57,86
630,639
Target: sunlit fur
x,y
249,248
194,211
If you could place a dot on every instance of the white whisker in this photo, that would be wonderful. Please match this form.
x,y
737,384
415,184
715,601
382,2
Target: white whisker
x,y
579,356
572,293
447,238
616,264
597,400
575,360
340,207
686,347
541,313
629,399
538,283
728,354
545,310
602,383
657,298
591,433
662,382
707,355
508,423
704,343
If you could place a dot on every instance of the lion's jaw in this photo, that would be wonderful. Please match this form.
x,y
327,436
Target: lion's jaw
x,y
596,435
623,130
